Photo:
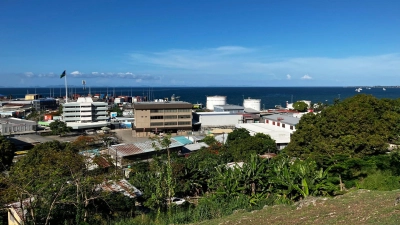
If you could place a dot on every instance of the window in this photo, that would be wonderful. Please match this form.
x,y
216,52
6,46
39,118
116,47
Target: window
x,y
283,125
291,127
183,110
184,116
156,124
156,110
156,117
278,124
170,117
184,123
266,121
273,122
170,123
169,110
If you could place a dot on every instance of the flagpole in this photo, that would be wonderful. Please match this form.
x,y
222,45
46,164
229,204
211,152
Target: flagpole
x,y
66,89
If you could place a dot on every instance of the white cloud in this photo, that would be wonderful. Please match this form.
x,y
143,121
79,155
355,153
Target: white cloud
x,y
306,77
76,73
288,77
222,62
95,73
29,74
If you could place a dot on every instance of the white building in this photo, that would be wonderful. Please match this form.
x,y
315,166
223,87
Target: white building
x,y
84,113
16,126
282,121
281,136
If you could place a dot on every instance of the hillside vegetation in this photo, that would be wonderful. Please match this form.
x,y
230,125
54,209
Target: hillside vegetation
x,y
344,147
357,207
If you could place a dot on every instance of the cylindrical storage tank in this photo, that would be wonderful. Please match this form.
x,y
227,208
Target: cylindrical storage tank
x,y
215,100
252,103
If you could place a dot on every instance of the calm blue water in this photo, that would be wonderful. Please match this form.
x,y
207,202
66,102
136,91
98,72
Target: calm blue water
x,y
270,96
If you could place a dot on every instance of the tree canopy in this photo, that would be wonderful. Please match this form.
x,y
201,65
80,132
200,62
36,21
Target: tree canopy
x,y
7,150
300,106
59,127
358,126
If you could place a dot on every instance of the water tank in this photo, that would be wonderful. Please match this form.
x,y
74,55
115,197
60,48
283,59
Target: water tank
x,y
252,103
215,100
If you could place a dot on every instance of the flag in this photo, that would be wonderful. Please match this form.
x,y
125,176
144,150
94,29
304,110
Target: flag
x,y
62,75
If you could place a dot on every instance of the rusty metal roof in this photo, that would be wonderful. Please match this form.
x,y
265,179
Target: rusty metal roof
x,y
121,186
123,150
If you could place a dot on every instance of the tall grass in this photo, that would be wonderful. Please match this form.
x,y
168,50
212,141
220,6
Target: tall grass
x,y
209,207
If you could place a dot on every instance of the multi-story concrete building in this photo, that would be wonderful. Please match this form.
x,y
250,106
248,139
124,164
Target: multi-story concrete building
x,y
44,104
162,117
85,113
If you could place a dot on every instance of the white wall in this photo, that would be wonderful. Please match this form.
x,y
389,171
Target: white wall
x,y
214,120
286,128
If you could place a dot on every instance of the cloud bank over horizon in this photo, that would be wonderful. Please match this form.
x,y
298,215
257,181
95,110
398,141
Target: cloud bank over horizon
x,y
258,63
233,65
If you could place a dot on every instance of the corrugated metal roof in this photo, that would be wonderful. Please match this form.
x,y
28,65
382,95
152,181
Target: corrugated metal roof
x,y
283,119
124,150
229,107
182,140
121,186
196,146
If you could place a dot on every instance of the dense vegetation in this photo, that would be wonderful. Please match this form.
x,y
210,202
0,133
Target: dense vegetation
x,y
344,146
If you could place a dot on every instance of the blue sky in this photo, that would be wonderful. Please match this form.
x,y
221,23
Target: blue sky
x,y
200,43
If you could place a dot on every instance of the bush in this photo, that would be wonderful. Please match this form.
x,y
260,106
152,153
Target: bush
x,y
380,181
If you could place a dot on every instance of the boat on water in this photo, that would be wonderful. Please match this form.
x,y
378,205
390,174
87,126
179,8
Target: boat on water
x,y
384,89
359,89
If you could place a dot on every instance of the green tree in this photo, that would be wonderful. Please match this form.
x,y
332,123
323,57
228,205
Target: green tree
x,y
300,106
237,134
164,143
358,126
116,108
7,150
242,148
59,127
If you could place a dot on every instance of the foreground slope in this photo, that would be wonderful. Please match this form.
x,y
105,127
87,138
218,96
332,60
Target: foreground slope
x,y
357,207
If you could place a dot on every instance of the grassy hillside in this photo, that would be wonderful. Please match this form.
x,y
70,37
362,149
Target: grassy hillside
x,y
357,207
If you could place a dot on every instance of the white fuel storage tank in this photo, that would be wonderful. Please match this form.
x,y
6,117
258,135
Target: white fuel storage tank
x,y
215,100
252,103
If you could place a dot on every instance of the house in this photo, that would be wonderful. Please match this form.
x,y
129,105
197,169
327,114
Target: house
x,y
17,211
121,186
187,149
284,121
280,135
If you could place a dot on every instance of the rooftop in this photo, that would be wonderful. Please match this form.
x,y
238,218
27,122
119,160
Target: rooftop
x,y
229,107
283,118
124,150
162,105
281,136
16,121
121,186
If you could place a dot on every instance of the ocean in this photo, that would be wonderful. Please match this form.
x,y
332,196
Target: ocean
x,y
269,96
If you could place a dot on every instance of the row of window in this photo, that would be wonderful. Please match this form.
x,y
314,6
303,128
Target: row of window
x,y
278,124
170,117
169,110
160,124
